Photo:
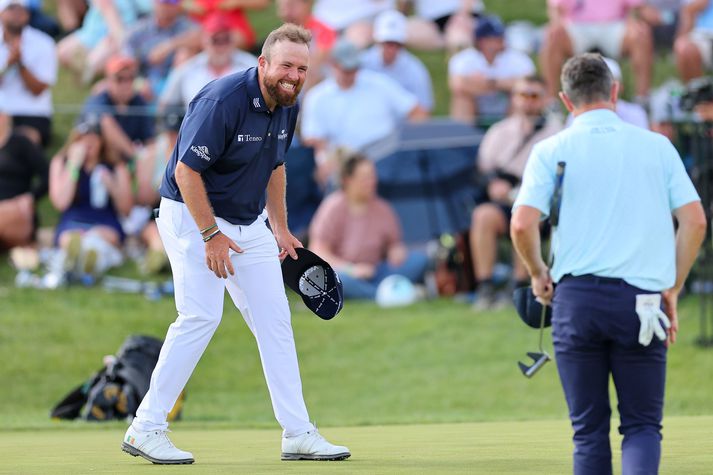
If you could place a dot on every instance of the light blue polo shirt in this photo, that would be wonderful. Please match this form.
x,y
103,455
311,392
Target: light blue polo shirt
x,y
621,183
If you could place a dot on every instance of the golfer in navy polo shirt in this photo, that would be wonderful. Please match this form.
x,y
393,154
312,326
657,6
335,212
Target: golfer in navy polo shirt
x,y
225,178
619,265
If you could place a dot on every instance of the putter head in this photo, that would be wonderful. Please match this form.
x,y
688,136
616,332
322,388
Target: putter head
x,y
539,361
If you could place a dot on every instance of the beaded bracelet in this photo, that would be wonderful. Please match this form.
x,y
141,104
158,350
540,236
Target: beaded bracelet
x,y
203,231
211,235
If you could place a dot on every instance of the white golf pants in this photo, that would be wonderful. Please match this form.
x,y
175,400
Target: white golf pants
x,y
256,290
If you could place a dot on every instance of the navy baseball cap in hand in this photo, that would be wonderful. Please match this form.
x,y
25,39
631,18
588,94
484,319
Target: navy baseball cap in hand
x,y
315,281
529,309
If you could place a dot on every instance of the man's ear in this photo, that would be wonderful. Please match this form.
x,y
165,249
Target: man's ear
x,y
567,103
614,95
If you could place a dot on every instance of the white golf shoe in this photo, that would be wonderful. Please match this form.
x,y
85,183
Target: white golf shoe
x,y
154,446
312,446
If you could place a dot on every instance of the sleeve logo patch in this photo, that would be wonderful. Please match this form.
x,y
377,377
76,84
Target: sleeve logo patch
x,y
201,151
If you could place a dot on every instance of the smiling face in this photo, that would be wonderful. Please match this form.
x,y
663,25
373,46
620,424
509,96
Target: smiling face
x,y
283,73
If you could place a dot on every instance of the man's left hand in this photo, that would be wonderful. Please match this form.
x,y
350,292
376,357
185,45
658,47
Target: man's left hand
x,y
288,243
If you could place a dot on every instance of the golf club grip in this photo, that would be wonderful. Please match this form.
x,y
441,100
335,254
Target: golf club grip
x,y
557,195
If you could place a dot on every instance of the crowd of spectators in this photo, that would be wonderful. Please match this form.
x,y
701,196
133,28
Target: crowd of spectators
x,y
144,60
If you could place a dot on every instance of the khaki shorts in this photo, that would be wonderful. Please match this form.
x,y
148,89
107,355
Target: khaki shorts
x,y
608,37
703,39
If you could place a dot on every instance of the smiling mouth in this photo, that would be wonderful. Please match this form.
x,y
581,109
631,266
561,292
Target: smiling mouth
x,y
286,86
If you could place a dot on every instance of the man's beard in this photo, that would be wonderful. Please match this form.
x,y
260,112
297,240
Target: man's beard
x,y
281,97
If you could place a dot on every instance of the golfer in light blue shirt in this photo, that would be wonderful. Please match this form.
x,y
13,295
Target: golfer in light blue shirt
x,y
617,255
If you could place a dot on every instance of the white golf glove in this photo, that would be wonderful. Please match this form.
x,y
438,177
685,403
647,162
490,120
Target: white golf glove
x,y
653,320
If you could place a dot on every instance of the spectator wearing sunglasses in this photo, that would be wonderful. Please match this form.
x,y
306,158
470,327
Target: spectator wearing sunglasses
x,y
501,161
123,114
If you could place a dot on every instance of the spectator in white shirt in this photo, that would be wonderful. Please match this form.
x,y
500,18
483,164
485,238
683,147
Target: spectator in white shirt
x,y
481,78
219,58
353,109
389,56
28,68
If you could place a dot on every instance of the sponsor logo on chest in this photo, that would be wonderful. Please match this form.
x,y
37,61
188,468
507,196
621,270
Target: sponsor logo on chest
x,y
248,138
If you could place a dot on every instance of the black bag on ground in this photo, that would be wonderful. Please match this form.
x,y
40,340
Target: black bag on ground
x,y
116,391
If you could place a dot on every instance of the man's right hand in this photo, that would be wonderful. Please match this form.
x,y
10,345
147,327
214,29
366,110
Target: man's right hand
x,y
217,255
542,286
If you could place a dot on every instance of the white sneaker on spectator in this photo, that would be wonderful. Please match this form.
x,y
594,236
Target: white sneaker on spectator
x,y
154,446
312,446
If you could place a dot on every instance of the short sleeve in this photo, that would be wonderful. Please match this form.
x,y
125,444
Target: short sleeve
x,y
400,100
680,187
313,127
463,63
392,226
95,106
42,60
326,223
203,136
171,94
537,182
522,65
424,85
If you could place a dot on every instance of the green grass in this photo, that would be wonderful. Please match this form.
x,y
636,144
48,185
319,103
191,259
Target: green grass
x,y
433,362
533,448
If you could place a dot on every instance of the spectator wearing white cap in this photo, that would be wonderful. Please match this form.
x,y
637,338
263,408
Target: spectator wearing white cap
x,y
352,109
481,78
388,56
28,68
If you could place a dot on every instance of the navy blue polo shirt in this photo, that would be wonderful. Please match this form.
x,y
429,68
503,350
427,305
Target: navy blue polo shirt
x,y
235,142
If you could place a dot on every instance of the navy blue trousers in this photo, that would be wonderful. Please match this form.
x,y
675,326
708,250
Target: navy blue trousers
x,y
595,331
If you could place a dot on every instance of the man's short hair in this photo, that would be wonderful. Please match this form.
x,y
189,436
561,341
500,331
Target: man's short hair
x,y
287,32
586,79
350,164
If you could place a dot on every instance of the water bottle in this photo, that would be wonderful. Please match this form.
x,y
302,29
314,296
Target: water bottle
x,y
98,194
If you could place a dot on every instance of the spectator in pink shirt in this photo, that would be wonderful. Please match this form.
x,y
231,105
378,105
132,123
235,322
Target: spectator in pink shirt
x,y
359,234
578,26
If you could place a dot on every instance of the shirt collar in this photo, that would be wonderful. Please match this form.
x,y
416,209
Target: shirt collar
x,y
596,116
257,102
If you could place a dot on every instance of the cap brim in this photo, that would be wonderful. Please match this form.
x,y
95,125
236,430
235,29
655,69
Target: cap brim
x,y
529,309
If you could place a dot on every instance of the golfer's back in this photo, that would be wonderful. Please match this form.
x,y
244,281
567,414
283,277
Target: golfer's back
x,y
621,184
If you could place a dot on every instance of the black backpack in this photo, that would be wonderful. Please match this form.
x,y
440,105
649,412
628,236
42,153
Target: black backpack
x,y
116,390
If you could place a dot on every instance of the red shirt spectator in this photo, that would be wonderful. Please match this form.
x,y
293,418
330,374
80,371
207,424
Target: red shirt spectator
x,y
233,11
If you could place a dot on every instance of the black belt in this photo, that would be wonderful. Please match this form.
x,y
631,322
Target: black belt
x,y
595,279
